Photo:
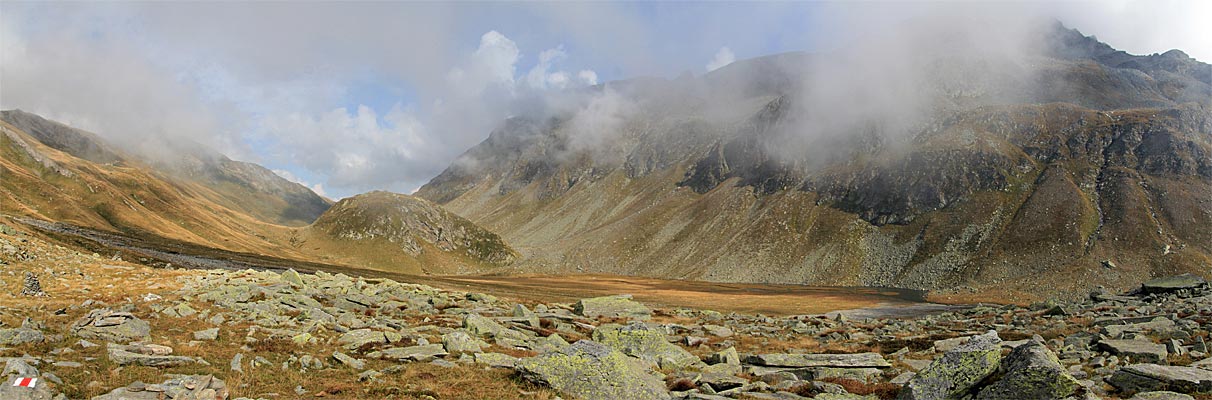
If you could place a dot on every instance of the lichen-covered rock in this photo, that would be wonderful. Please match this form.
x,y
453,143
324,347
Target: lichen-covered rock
x,y
481,326
1031,372
111,326
640,341
496,360
460,342
591,371
726,356
957,371
292,277
620,306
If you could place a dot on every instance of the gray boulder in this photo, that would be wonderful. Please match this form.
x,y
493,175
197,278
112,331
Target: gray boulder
x,y
180,387
620,306
956,372
1142,351
360,338
591,371
17,369
19,336
1031,372
461,342
411,353
111,326
1153,377
348,361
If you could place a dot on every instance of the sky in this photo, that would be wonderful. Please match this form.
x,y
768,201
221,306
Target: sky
x,y
347,97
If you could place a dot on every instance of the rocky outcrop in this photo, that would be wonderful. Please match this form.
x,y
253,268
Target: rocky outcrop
x,y
112,326
1079,162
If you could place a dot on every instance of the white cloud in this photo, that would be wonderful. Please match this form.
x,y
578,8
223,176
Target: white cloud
x,y
588,77
722,58
319,189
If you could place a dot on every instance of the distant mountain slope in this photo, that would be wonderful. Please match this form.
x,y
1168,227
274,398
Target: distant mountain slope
x,y
240,185
213,201
1077,166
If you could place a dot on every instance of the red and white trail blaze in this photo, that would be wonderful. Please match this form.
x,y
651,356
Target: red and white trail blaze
x,y
25,382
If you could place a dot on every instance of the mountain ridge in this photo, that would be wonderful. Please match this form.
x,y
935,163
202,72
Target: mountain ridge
x,y
685,190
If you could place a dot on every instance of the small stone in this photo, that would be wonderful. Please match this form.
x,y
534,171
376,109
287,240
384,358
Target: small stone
x,y
207,334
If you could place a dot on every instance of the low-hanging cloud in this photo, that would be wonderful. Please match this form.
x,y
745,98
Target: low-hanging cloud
x,y
721,58
279,83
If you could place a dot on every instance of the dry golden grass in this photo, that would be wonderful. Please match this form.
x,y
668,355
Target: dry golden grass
x,y
123,281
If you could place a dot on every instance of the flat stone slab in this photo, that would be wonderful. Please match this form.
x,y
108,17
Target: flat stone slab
x,y
122,355
1141,351
859,360
412,353
1153,377
612,307
1173,283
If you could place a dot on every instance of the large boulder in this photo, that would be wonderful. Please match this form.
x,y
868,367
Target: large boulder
x,y
1153,377
111,326
590,370
1031,372
640,341
956,372
620,306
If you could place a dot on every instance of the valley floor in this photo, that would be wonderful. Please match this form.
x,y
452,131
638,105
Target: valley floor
x,y
112,329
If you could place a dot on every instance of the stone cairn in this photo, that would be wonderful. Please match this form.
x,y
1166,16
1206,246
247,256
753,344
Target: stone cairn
x,y
31,286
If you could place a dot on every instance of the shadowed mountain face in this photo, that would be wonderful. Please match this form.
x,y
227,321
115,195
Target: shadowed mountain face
x,y
240,185
1076,164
